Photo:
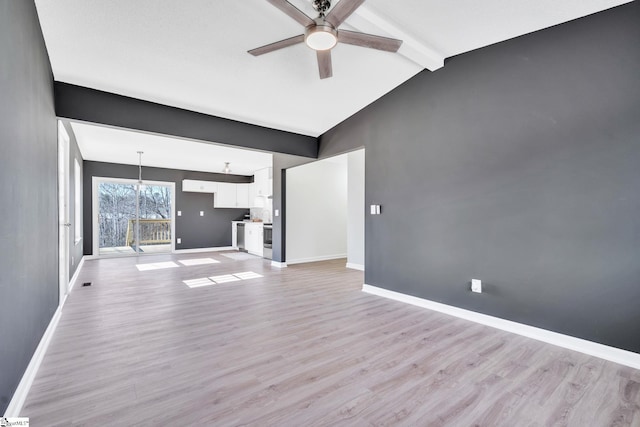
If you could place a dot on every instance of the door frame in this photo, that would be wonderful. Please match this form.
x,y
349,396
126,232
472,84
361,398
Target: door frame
x,y
64,224
96,180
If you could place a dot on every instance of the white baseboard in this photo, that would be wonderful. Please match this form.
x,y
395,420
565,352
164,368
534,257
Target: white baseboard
x,y
199,250
591,348
20,395
278,264
74,279
355,266
315,259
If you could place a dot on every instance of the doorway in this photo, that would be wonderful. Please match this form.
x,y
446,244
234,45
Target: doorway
x,y
64,224
329,194
132,218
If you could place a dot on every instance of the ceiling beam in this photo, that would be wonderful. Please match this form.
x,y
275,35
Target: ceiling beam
x,y
413,49
94,106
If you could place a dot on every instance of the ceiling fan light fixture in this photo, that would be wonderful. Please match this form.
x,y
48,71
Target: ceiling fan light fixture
x,y
321,37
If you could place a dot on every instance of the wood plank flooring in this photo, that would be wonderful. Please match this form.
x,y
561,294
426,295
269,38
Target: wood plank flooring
x,y
301,346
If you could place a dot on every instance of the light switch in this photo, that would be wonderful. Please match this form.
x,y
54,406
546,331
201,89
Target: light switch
x,y
476,285
373,209
179,213
201,213
178,240
276,213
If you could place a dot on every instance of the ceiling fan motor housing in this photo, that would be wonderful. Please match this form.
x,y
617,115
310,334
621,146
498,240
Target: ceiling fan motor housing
x,y
321,5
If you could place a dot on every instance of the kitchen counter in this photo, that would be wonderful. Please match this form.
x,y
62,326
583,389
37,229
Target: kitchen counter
x,y
253,236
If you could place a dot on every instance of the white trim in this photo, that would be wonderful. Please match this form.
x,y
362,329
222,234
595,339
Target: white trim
x,y
198,250
20,395
591,348
73,280
355,266
277,264
316,258
64,231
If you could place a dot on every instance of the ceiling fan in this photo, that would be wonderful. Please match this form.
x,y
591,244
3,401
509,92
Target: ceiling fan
x,y
322,34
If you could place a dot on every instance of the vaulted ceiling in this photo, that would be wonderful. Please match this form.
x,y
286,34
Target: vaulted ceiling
x,y
193,53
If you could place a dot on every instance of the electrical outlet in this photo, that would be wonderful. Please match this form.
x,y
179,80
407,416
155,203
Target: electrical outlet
x,y
201,213
178,240
476,285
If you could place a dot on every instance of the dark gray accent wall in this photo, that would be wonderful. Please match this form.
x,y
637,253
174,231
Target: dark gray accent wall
x,y
81,103
517,164
75,243
28,164
211,230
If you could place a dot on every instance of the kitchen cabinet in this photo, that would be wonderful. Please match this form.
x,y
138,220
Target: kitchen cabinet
x,y
191,185
262,181
242,195
253,238
225,196
231,195
261,188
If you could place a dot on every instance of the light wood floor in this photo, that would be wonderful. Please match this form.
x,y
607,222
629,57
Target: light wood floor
x,y
302,346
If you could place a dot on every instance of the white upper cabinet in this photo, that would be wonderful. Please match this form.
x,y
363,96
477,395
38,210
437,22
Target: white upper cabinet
x,y
230,195
242,195
199,186
262,182
225,196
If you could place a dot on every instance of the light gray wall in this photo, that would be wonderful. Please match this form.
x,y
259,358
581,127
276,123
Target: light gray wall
x,y
516,164
280,164
355,208
208,231
28,207
317,211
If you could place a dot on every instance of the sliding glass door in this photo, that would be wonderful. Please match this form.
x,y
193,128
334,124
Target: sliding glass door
x,y
132,218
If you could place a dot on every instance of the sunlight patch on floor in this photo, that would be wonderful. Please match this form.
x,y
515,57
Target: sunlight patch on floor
x,y
198,261
156,266
196,283
225,278
247,275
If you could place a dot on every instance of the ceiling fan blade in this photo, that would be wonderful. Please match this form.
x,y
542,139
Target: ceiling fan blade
x,y
292,11
277,45
324,63
369,40
341,11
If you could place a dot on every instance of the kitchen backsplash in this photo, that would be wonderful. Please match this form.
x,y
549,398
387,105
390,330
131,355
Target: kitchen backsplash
x,y
265,214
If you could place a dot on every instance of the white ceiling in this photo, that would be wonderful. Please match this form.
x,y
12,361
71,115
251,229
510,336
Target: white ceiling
x,y
105,144
193,53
